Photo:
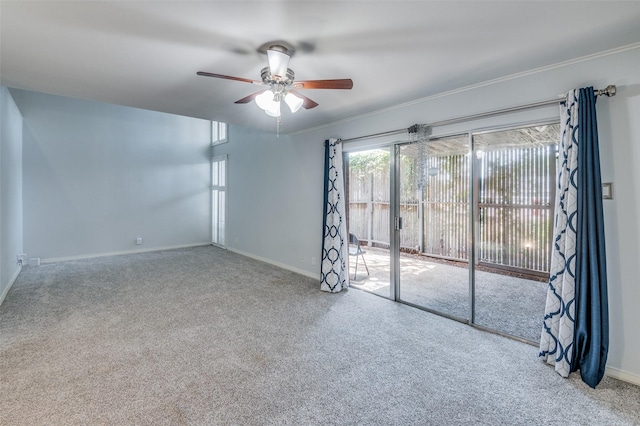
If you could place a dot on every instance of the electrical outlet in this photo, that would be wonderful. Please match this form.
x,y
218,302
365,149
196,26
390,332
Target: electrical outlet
x,y
313,261
139,241
301,259
20,257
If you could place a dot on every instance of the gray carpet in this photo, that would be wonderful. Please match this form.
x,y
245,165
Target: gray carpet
x,y
205,336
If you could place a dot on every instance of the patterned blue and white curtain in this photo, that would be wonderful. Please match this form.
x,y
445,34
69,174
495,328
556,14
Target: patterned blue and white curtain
x,y
334,275
575,334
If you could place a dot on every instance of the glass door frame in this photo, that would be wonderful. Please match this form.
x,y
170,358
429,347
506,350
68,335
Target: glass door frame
x,y
390,147
395,220
396,228
474,220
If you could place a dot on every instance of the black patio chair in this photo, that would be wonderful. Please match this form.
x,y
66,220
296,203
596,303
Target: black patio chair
x,y
356,250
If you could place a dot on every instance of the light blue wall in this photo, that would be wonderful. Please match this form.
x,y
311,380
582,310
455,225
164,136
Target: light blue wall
x,y
97,176
270,180
275,190
10,190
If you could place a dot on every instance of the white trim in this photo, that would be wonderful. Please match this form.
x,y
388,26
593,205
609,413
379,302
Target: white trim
x,y
117,253
478,85
622,375
11,281
315,276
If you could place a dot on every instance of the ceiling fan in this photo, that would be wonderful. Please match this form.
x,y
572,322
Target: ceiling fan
x,y
280,84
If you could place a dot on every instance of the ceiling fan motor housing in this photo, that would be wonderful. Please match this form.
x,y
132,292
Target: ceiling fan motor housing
x,y
267,78
277,85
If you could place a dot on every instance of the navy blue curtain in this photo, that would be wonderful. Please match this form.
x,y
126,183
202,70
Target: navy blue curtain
x,y
327,165
591,336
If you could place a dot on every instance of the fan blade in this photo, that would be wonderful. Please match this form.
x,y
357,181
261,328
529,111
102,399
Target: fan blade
x,y
307,103
345,83
228,77
249,98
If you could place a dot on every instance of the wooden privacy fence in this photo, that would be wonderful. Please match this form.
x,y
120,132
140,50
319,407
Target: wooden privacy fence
x,y
512,209
515,207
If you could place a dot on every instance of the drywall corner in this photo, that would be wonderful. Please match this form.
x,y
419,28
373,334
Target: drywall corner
x,y
11,222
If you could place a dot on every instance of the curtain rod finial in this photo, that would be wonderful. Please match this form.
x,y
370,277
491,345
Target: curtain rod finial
x,y
609,91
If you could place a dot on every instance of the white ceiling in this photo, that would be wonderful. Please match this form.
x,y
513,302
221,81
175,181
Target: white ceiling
x,y
145,54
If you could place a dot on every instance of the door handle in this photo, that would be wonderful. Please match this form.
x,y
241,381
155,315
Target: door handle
x,y
398,223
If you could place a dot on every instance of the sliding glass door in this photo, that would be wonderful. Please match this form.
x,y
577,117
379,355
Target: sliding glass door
x,y
433,197
514,181
368,216
459,226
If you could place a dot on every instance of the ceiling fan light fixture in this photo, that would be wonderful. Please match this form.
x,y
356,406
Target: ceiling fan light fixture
x,y
267,103
265,99
278,61
293,101
273,110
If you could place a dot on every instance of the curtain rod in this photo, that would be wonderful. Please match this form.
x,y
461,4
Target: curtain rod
x,y
607,91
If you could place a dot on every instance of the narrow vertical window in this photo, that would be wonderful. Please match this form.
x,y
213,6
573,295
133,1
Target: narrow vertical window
x,y
218,133
218,199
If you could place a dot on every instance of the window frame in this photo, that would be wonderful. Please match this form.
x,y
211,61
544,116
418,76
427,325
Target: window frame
x,y
219,133
215,213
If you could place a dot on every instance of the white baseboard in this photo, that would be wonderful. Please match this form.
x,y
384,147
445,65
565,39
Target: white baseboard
x,y
278,264
116,253
11,281
622,375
